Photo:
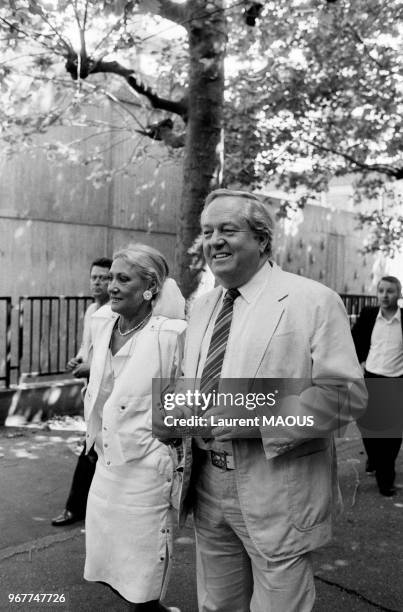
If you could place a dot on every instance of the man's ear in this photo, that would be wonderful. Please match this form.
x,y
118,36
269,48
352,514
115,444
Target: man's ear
x,y
263,242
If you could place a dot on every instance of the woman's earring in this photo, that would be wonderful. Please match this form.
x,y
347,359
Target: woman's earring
x,y
147,295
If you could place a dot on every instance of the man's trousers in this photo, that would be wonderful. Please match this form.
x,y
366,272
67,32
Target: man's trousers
x,y
82,478
232,575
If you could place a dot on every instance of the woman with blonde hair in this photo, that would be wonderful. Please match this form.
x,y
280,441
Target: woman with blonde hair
x,y
128,520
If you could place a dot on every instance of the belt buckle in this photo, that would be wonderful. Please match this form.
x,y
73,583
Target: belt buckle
x,y
222,460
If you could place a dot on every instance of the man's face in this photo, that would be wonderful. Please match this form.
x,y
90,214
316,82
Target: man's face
x,y
99,278
388,295
232,250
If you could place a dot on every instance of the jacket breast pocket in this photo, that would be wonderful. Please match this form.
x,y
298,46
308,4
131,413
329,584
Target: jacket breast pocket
x,y
133,426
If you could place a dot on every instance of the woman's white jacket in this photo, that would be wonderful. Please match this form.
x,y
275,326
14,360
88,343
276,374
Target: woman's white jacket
x,y
127,413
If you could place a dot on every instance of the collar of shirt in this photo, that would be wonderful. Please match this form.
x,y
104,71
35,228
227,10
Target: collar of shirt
x,y
252,289
396,316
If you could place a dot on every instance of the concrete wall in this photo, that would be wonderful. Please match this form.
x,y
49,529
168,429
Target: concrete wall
x,y
54,222
324,244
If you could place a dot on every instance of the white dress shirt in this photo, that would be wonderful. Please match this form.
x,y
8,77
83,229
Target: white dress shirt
x,y
85,350
243,308
385,355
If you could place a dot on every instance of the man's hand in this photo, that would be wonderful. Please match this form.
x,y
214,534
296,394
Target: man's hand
x,y
82,371
74,363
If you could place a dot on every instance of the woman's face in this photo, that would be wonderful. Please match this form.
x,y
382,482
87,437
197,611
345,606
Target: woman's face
x,y
126,289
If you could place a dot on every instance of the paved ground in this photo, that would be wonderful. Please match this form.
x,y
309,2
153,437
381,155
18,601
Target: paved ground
x,y
360,571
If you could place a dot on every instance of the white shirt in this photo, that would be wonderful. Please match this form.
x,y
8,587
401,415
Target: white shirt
x,y
385,355
86,344
243,310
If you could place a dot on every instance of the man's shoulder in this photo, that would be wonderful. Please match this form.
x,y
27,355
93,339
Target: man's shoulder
x,y
293,284
205,298
301,287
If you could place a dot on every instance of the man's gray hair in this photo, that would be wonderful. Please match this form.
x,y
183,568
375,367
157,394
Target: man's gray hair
x,y
255,213
150,264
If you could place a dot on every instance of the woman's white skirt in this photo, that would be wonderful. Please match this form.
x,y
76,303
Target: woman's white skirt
x,y
128,529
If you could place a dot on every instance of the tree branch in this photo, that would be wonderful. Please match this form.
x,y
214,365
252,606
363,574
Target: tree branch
x,y
116,101
36,36
396,173
45,17
360,40
163,130
179,108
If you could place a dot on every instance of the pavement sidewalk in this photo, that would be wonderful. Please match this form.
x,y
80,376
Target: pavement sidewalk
x,y
360,571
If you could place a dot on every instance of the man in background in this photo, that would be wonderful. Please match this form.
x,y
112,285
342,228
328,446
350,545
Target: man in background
x,y
80,367
378,341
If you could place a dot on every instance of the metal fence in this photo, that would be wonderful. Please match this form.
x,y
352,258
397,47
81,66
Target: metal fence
x,y
5,338
41,333
355,303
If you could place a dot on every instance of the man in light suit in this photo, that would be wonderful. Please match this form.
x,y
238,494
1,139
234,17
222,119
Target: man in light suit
x,y
261,505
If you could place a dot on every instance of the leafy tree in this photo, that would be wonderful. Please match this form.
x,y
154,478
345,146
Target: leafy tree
x,y
39,34
325,88
314,90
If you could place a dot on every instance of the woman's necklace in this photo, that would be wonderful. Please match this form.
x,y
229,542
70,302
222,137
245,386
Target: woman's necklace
x,y
129,331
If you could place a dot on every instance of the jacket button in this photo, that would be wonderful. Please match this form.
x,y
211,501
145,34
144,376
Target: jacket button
x,y
108,463
105,445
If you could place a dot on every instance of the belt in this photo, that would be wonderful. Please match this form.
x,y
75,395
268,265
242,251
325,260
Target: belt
x,y
221,460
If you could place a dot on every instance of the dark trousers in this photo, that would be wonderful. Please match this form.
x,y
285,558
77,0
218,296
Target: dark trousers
x,y
381,452
82,478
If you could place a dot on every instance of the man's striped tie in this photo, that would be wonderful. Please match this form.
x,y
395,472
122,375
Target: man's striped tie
x,y
218,343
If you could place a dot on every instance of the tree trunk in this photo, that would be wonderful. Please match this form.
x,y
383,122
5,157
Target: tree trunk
x,y
203,151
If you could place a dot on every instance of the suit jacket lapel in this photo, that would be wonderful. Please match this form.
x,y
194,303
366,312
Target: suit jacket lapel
x,y
266,316
196,332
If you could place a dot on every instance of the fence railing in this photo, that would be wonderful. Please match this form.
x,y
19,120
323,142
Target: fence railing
x,y
5,336
42,333
355,303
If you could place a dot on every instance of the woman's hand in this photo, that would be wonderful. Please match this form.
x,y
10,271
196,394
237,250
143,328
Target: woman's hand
x,y
163,422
